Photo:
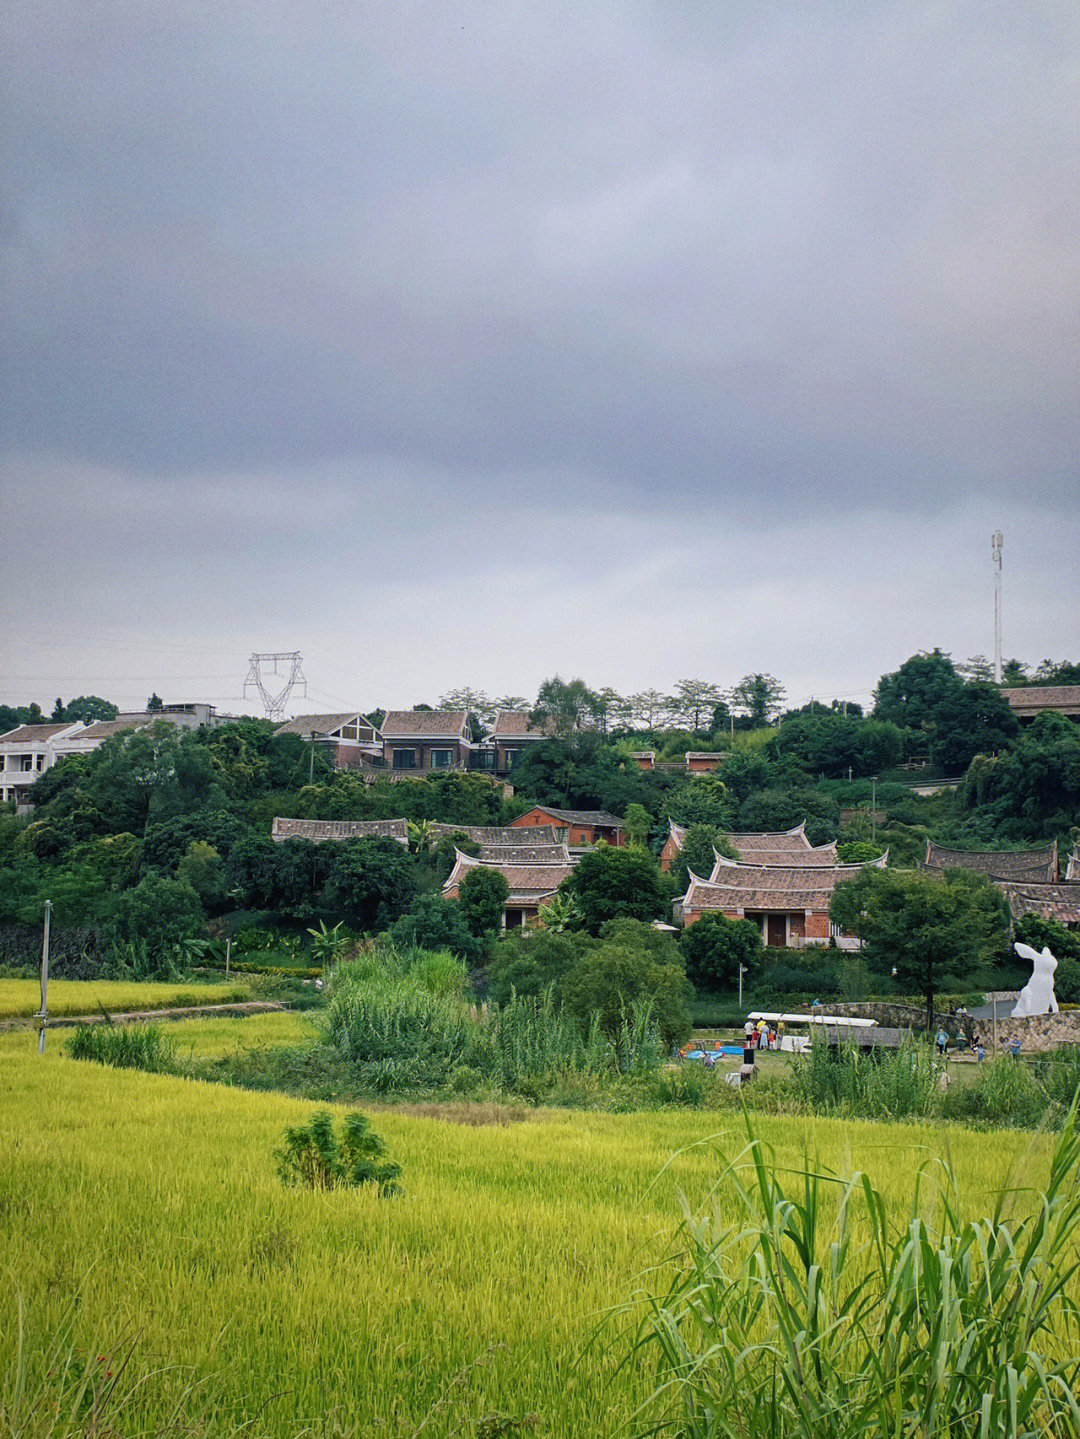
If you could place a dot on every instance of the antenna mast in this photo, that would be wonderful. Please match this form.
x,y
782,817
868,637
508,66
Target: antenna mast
x,y
294,668
996,542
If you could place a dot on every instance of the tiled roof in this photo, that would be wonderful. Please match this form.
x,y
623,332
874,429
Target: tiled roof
x,y
716,754
526,881
822,858
1072,870
1050,901
789,841
516,724
318,830
305,725
438,724
1021,866
487,835
516,854
676,833
1030,699
34,733
105,729
577,816
767,887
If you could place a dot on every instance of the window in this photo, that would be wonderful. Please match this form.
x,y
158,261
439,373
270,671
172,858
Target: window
x,y
442,758
404,759
511,757
27,762
348,731
40,761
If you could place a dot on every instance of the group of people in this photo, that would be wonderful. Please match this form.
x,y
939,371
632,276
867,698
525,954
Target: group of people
x,y
978,1047
762,1035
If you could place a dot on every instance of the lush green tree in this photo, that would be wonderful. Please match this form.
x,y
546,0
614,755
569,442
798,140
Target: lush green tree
x,y
435,923
858,851
528,961
563,705
1056,672
88,708
778,809
704,800
155,704
572,773
610,883
714,947
482,896
759,697
973,720
203,870
833,744
632,963
371,883
693,700
926,930
915,695
166,843
1034,791
158,911
638,822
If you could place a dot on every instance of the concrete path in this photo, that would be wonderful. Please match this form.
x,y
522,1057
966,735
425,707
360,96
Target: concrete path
x,y
143,1016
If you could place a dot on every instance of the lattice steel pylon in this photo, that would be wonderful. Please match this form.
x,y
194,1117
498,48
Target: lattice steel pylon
x,y
275,703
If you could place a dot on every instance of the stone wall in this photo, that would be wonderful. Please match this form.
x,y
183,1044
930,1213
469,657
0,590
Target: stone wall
x,y
1038,1033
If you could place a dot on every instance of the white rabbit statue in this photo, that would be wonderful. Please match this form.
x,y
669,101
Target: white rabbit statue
x,y
1037,996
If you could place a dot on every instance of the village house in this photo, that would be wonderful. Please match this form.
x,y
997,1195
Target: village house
x,y
26,752
582,827
693,762
1028,701
1048,901
531,885
318,831
420,741
789,903
351,739
1017,866
511,736
784,847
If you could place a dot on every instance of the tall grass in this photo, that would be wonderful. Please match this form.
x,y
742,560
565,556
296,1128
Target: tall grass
x,y
809,1321
125,1046
900,1083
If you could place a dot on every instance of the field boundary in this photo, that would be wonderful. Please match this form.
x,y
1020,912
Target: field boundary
x,y
143,1016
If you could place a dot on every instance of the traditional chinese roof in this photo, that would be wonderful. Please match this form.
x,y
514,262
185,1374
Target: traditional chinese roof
x,y
577,816
427,724
35,733
770,888
716,754
1029,700
488,835
1020,866
307,725
318,830
1049,901
824,857
503,854
516,724
528,882
676,834
1072,871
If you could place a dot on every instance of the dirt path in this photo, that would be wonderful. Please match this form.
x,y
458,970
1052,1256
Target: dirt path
x,y
141,1016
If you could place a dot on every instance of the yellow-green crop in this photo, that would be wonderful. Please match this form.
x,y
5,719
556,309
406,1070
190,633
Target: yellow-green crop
x,y
21,997
154,1202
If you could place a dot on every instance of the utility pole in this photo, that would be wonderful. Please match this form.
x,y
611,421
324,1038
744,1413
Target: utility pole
x,y
873,810
43,1015
997,539
742,971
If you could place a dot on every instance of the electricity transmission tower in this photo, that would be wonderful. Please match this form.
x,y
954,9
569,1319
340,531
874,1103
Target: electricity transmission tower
x,y
292,665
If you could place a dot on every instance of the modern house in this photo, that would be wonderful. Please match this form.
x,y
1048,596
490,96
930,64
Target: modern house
x,y
26,752
321,830
513,733
352,740
1015,866
788,902
419,741
582,827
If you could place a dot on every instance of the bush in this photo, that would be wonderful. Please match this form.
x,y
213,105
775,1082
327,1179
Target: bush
x,y
437,923
632,962
158,912
714,947
127,1046
313,1155
528,962
482,897
883,1084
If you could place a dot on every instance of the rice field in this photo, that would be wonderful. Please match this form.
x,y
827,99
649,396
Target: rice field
x,y
152,1204
20,998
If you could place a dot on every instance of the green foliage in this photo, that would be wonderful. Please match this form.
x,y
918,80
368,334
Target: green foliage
x,y
887,1084
1034,791
833,744
437,923
779,809
87,708
703,842
482,895
610,883
638,825
926,930
313,1155
125,1046
372,882
563,705
789,1321
759,698
632,962
714,947
706,800
328,943
202,870
157,912
528,962
857,851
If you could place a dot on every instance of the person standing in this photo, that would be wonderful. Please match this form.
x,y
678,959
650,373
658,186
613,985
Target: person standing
x,y
943,1043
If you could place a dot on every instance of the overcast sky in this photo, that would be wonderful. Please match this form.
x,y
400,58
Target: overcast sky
x,y
463,343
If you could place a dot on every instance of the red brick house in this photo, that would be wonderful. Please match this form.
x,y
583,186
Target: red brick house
x,y
672,845
703,761
789,903
532,885
582,826
419,741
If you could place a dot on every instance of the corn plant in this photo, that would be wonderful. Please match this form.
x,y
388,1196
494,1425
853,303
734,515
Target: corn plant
x,y
805,1320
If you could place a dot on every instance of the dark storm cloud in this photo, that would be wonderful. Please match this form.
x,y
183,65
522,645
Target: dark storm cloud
x,y
774,254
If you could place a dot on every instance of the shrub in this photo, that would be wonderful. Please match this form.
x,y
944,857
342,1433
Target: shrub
x,y
127,1046
883,1084
789,1321
714,948
313,1155
482,896
437,923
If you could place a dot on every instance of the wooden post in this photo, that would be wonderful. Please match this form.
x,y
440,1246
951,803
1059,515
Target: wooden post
x,y
44,1014
228,953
